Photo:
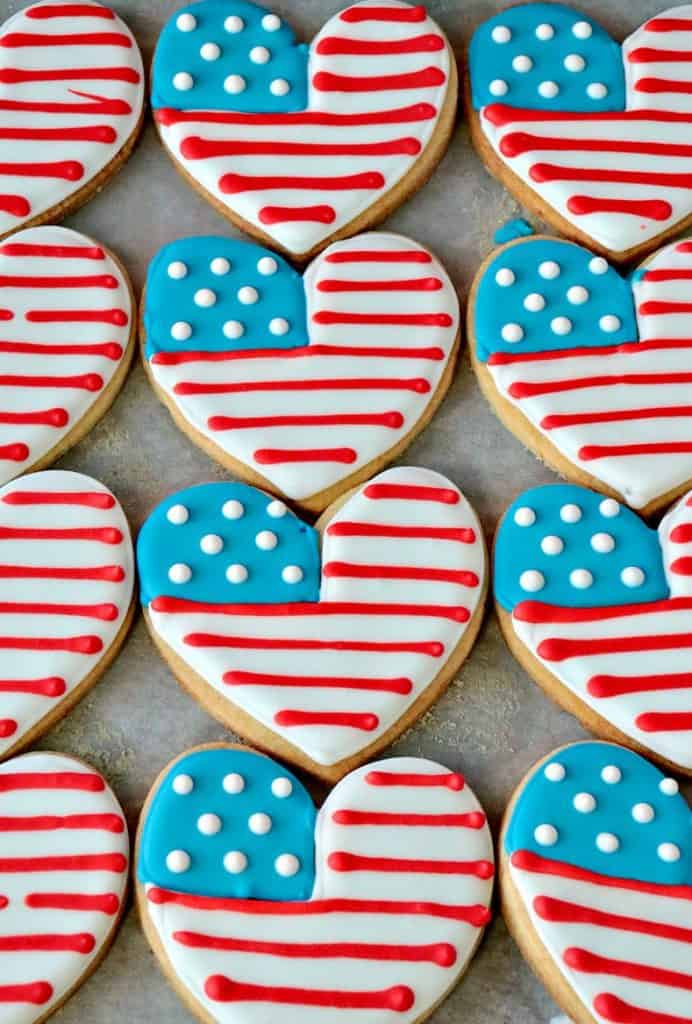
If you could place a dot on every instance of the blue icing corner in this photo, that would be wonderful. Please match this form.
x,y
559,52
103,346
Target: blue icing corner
x,y
513,229
213,530
542,519
195,787
180,271
229,55
577,770
530,288
546,57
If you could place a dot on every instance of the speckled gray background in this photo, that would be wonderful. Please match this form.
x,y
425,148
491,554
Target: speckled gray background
x,y
493,723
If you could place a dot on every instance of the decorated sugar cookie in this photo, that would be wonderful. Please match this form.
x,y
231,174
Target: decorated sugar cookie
x,y
63,875
598,609
304,385
299,145
258,906
71,103
66,597
596,881
320,644
591,370
590,134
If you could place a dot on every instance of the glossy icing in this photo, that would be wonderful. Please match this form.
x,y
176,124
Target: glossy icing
x,y
615,924
66,581
367,336
71,95
422,882
402,572
64,872
376,78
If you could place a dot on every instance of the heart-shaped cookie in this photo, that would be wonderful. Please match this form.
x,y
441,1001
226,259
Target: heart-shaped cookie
x,y
350,360
256,906
300,145
596,882
598,609
590,134
66,596
590,370
71,106
377,623
63,875
66,313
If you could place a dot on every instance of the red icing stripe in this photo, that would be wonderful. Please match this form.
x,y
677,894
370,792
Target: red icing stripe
x,y
52,822
539,612
554,172
237,678
104,612
563,912
232,184
8,727
525,860
75,644
44,417
41,13
517,143
19,76
523,389
279,456
379,256
79,942
557,420
18,206
326,316
62,252
654,308
221,989
97,133
172,605
13,40
590,452
105,903
417,384
432,649
411,492
332,45
112,573
321,214
500,114
85,281
109,349
668,275
658,85
83,381
51,686
626,348
681,534
653,209
585,962
682,566
669,25
35,992
450,780
118,317
70,170
462,534
441,953
114,862
473,819
605,686
351,570
393,420
97,105
17,452
356,15
620,1012
90,499
195,148
290,718
397,115
561,649
310,351
342,860
417,284
103,534
326,81
662,721
651,55
83,781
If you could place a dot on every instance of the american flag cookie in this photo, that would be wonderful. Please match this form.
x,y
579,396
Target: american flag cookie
x,y
323,644
594,136
63,876
297,144
66,598
303,385
590,370
71,106
595,873
260,908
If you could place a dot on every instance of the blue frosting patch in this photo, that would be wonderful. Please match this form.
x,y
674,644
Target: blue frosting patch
x,y
541,295
645,819
213,294
546,57
551,535
518,228
220,821
229,55
227,543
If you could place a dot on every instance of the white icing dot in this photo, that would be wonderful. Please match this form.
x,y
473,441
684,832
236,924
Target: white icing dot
x,y
585,803
181,331
282,787
505,277
271,22
178,861
276,509
287,865
668,852
179,573
598,265
186,22
183,784
209,824
211,544
574,62
177,270
260,55
210,51
234,24
233,329
183,81
236,573
582,30
669,787
279,87
534,302
524,516
532,580
177,514
235,862
552,545
545,835
643,813
555,772
632,576
266,540
233,509
205,297
609,323
501,34
596,91
611,774
279,326
570,513
267,266
607,842
581,579
292,574
498,87
544,32
259,824
219,266
548,89
561,325
577,295
234,84
549,269
512,333
233,783
609,508
248,295
522,63
603,543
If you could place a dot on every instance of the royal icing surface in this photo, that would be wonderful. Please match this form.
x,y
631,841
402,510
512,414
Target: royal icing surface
x,y
63,873
346,118
65,308
604,603
402,571
610,160
597,364
394,915
66,579
71,95
599,848
325,373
